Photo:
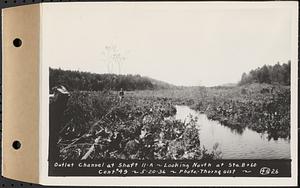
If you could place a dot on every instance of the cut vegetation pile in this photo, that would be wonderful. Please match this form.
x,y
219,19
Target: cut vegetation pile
x,y
98,125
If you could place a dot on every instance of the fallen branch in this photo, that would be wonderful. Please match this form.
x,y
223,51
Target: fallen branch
x,y
88,153
75,140
91,149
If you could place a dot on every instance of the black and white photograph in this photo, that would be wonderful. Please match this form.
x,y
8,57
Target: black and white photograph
x,y
168,82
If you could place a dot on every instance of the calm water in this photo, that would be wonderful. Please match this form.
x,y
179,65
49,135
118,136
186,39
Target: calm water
x,y
247,144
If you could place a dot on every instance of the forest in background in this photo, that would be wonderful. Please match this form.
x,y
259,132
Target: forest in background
x,y
276,74
85,81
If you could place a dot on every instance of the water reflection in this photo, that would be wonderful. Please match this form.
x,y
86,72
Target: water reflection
x,y
236,143
237,130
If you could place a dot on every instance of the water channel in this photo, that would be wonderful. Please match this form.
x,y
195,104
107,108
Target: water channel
x,y
246,144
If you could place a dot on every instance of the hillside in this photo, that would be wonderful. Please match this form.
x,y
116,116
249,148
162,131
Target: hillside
x,y
158,84
85,81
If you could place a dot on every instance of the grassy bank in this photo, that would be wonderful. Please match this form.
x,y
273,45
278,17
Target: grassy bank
x,y
263,108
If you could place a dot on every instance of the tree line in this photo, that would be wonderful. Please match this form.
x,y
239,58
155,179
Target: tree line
x,y
85,81
276,74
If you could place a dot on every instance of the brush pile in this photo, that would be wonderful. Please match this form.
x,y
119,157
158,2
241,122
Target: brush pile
x,y
97,125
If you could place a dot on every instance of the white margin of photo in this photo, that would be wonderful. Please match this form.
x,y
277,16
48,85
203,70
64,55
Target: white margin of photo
x,y
171,181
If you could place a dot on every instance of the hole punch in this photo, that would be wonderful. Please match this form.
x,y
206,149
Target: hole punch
x,y
17,42
16,145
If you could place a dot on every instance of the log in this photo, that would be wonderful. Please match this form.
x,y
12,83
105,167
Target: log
x,y
92,148
89,152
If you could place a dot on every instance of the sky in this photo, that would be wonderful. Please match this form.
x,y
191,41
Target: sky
x,y
188,44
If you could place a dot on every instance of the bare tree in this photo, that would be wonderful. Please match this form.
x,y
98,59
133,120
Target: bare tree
x,y
113,57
